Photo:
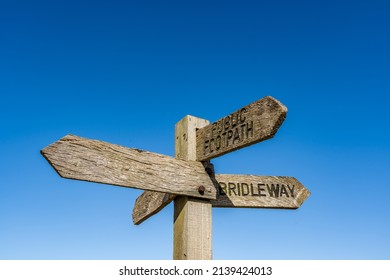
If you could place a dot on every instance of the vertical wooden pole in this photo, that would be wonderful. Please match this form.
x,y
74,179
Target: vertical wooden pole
x,y
192,217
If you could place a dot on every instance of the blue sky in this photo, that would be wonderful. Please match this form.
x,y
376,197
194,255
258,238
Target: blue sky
x,y
126,71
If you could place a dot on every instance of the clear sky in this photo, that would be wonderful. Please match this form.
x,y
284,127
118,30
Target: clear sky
x,y
126,71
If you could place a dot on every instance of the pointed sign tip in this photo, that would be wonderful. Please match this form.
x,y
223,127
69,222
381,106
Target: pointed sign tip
x,y
281,105
251,124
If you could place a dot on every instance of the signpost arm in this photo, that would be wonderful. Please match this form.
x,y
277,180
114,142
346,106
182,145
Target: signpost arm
x,y
192,217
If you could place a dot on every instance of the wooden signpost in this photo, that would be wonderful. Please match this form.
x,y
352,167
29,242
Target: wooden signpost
x,y
189,178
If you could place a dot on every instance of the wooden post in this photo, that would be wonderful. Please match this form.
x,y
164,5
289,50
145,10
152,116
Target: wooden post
x,y
192,216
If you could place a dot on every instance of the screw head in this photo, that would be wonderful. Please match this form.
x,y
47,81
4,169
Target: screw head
x,y
201,190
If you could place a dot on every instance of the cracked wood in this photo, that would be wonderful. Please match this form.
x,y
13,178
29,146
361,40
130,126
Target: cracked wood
x,y
79,158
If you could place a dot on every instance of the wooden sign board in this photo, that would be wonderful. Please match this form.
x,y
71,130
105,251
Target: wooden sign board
x,y
150,203
234,191
251,124
79,158
248,191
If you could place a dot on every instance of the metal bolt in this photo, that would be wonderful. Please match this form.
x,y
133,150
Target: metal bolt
x,y
201,190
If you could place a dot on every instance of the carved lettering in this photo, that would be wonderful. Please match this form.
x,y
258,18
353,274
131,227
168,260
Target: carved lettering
x,y
234,119
283,191
229,136
273,190
222,188
218,142
242,115
256,189
245,189
261,190
232,188
227,122
206,145
229,131
291,190
249,129
236,135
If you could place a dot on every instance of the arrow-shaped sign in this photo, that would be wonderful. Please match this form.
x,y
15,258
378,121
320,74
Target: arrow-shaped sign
x,y
235,191
79,158
248,191
251,124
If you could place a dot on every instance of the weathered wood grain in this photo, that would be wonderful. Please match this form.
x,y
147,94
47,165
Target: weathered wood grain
x,y
248,191
251,124
150,203
192,216
79,158
192,229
